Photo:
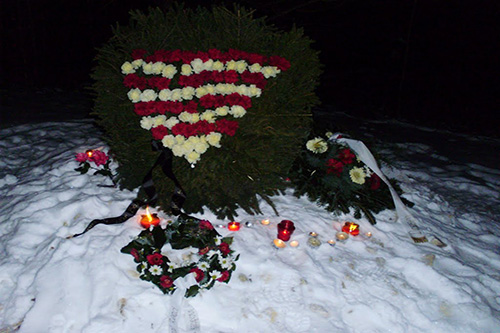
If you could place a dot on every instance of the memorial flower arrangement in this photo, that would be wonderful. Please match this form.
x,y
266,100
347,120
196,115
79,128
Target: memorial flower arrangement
x,y
331,174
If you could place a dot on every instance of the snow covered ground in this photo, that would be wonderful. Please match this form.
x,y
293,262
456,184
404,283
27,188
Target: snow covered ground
x,y
385,283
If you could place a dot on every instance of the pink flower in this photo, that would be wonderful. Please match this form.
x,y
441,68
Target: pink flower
x,y
98,157
81,157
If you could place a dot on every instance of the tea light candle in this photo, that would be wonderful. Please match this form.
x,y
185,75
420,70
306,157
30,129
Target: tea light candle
x,y
149,220
313,242
294,243
351,228
368,234
265,222
331,242
313,234
279,244
285,230
342,236
233,226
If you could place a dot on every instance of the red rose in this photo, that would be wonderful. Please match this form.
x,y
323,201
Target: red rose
x,y
204,224
198,273
81,157
166,281
155,259
334,166
224,248
346,156
99,157
224,276
159,132
374,182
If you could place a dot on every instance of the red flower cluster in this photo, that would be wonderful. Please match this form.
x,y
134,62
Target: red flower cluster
x,y
96,156
224,248
166,281
204,224
198,274
215,101
188,130
224,276
335,166
155,259
160,107
159,132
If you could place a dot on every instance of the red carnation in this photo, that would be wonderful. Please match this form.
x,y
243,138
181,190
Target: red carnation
x,y
231,76
224,248
158,82
204,224
98,157
204,250
198,274
202,55
334,166
159,132
187,56
155,259
346,156
207,101
279,62
217,76
254,58
166,281
174,107
138,54
144,108
214,53
135,254
228,127
81,157
224,276
134,81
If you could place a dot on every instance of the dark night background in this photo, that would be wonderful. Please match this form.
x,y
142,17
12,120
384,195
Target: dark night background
x,y
434,63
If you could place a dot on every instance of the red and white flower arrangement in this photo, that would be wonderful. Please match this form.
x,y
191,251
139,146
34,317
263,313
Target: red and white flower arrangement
x,y
183,96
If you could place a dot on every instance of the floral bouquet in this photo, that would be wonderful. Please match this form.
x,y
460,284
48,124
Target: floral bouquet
x,y
97,158
201,251
331,174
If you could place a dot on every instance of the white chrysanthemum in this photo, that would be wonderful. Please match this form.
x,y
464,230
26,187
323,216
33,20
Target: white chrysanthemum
x,y
179,139
255,68
210,89
147,122
241,66
127,68
172,266
177,95
143,267
201,147
253,91
222,111
208,116
242,90
214,274
186,70
237,111
171,122
201,91
231,65
165,95
214,139
185,117
188,93
178,150
357,175
169,71
193,157
270,71
203,265
317,145
168,141
218,240
147,68
158,67
212,253
155,270
148,95
225,262
218,66
137,63
159,120
134,95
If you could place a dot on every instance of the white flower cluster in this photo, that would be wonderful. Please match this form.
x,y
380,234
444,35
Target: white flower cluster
x,y
193,147
197,66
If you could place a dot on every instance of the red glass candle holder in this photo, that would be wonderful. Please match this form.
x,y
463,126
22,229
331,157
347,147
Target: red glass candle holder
x,y
351,228
149,220
285,230
233,226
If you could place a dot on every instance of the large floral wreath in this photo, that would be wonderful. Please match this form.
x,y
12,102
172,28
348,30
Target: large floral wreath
x,y
202,251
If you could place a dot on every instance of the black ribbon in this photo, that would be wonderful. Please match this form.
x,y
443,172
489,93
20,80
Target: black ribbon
x,y
178,197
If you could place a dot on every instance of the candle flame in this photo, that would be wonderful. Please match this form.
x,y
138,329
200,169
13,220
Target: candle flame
x,y
148,215
90,153
352,227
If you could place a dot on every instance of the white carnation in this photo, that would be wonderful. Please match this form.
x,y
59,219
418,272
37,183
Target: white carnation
x,y
127,68
231,65
242,90
169,71
193,157
195,117
186,70
158,67
179,139
147,68
218,66
188,93
210,89
222,111
168,141
171,122
201,147
221,88
197,65
185,117
148,95
207,65
270,71
147,122
176,95
255,68
201,91
193,139
134,95
178,150
237,111
159,120
137,63
208,116
214,139
165,95
241,66
253,91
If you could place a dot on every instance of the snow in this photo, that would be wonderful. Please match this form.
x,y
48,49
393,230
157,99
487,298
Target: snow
x,y
386,283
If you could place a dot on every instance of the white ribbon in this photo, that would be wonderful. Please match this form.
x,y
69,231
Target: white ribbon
x,y
364,154
178,301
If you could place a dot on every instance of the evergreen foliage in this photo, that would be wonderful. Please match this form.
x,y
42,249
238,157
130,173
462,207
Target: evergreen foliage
x,y
250,165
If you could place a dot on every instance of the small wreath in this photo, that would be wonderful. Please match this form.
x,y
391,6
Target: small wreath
x,y
204,253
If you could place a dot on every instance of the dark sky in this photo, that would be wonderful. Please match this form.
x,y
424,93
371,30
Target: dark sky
x,y
431,62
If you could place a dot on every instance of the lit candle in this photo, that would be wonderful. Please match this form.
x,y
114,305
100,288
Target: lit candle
x,y
368,234
342,236
294,243
233,226
285,230
279,244
89,153
351,228
331,242
313,234
149,219
265,222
